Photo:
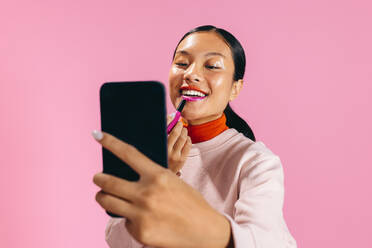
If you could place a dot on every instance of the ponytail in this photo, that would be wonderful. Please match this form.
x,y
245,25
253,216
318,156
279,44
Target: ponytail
x,y
235,121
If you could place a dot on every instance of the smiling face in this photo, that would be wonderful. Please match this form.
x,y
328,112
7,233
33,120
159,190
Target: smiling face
x,y
203,67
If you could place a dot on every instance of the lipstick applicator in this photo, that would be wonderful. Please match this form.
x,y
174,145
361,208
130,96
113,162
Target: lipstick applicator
x,y
177,116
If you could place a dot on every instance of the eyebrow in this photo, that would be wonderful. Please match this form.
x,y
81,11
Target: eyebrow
x,y
207,54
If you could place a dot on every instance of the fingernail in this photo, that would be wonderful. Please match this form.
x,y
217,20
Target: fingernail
x,y
173,114
98,135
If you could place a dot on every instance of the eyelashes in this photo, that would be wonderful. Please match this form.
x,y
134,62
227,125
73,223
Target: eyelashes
x,y
211,67
181,64
207,66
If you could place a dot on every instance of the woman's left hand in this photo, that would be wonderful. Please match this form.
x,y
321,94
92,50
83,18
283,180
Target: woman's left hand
x,y
179,145
161,209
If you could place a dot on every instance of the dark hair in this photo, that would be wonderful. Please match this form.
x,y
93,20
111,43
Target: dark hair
x,y
232,119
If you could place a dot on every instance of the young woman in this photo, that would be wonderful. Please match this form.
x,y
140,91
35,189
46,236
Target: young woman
x,y
222,188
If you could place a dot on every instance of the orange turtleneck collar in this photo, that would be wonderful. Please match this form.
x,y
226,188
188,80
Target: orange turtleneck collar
x,y
206,131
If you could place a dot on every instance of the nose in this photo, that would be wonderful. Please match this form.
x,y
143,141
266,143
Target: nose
x,y
192,74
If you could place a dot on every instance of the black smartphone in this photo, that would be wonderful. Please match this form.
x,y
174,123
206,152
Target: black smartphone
x,y
134,112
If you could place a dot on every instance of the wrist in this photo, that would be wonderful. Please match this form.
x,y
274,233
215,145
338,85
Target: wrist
x,y
227,241
222,236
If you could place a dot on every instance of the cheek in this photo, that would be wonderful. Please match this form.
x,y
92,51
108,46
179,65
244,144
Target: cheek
x,y
221,88
174,78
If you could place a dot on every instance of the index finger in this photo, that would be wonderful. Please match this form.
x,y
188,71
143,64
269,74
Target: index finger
x,y
170,117
127,153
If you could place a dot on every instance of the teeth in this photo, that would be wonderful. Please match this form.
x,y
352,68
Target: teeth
x,y
192,93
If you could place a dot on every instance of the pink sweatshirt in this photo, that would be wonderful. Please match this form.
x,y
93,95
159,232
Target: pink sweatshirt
x,y
241,179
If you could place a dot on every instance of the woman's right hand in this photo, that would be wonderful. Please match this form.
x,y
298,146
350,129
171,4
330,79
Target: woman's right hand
x,y
179,145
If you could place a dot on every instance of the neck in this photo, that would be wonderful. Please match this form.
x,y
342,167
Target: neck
x,y
207,130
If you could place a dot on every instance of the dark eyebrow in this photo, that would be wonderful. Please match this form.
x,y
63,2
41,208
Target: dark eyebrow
x,y
208,54
215,53
183,52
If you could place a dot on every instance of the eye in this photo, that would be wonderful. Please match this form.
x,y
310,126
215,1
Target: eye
x,y
181,64
211,67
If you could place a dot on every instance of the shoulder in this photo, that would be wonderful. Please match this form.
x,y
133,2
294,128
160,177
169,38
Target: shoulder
x,y
255,158
249,149
257,170
233,151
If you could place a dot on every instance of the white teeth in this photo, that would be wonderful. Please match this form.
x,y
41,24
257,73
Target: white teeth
x,y
192,93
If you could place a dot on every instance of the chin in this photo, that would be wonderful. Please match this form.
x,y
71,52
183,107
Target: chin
x,y
191,116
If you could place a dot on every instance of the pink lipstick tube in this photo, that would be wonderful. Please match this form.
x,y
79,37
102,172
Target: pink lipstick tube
x,y
177,116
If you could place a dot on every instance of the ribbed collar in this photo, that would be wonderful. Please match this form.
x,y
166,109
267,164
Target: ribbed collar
x,y
206,131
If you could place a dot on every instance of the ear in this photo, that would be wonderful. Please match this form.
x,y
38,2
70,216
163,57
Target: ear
x,y
235,90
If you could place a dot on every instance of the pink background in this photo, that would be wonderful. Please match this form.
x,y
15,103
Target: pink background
x,y
307,96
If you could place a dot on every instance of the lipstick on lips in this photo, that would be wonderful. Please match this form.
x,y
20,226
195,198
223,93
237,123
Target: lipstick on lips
x,y
185,98
193,97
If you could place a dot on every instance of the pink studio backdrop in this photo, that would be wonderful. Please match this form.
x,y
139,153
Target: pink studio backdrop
x,y
307,96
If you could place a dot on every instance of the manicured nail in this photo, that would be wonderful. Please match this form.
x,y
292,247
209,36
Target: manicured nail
x,y
98,135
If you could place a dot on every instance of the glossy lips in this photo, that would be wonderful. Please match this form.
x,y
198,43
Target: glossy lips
x,y
192,98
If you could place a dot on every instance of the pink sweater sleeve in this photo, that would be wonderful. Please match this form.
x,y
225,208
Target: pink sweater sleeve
x,y
257,220
117,236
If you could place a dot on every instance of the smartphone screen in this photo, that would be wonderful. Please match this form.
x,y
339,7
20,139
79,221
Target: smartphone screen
x,y
134,112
